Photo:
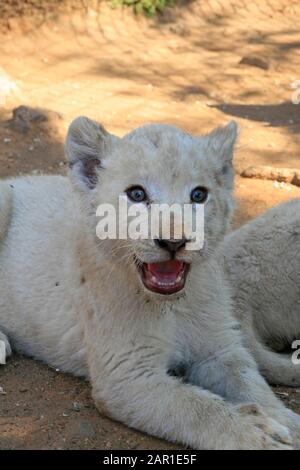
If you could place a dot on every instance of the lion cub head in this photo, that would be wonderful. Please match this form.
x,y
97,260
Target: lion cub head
x,y
154,165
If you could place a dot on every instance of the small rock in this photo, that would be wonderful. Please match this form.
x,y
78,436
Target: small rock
x,y
24,117
282,394
2,392
76,406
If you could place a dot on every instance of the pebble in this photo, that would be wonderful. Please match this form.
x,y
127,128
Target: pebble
x,y
76,406
282,394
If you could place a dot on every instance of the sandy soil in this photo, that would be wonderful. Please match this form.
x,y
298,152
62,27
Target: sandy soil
x,y
183,68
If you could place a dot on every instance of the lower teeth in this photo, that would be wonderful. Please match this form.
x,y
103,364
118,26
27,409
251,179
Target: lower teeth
x,y
167,284
162,284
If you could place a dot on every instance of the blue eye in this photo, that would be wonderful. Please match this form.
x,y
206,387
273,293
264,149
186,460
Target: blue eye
x,y
136,194
199,195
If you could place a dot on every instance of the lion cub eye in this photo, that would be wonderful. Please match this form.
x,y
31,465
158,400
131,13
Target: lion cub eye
x,y
136,194
199,195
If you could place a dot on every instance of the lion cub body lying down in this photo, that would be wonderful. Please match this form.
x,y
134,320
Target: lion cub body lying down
x,y
148,321
263,265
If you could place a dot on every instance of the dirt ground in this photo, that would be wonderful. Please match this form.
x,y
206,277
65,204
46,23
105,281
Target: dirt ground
x,y
183,68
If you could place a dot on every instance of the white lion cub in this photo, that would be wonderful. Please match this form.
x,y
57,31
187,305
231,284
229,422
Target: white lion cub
x,y
148,321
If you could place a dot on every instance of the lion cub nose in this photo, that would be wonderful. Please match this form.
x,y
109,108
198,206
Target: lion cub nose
x,y
170,245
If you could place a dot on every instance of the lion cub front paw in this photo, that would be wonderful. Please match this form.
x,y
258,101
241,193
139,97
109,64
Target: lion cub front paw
x,y
261,432
5,349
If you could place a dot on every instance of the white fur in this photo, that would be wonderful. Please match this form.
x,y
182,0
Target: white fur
x,y
79,305
263,262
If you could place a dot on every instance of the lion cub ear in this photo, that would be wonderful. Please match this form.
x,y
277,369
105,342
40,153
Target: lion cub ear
x,y
86,144
221,142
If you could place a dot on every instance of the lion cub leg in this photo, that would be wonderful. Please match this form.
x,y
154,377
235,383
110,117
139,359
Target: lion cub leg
x,y
131,384
234,375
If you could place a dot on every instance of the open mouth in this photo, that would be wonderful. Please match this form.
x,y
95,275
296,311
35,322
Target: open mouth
x,y
165,277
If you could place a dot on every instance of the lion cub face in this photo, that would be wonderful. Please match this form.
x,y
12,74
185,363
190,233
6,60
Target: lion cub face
x,y
155,164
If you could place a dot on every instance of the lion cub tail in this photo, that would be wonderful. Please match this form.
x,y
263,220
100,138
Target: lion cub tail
x,y
6,204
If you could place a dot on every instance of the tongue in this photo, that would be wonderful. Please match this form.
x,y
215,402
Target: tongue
x,y
166,269
165,277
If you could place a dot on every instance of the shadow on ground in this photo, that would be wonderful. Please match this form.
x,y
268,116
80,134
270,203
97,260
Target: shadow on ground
x,y
276,115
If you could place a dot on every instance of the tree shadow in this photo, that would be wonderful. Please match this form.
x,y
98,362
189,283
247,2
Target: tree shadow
x,y
284,114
